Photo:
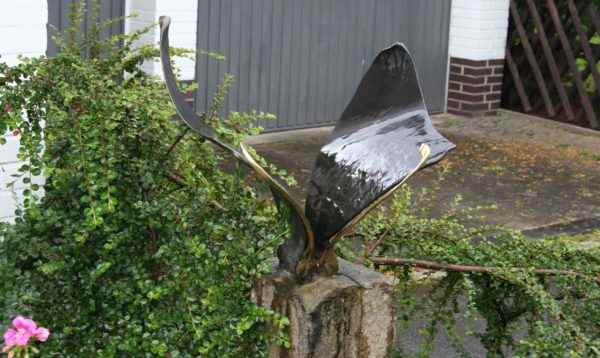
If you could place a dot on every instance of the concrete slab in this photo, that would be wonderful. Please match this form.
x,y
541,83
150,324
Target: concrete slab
x,y
535,171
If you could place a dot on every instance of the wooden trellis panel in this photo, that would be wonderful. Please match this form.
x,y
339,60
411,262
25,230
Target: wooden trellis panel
x,y
553,60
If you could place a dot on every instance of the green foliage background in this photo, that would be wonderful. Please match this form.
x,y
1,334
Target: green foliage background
x,y
111,253
589,27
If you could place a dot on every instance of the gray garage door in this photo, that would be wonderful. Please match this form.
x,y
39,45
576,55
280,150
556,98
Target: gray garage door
x,y
303,59
58,17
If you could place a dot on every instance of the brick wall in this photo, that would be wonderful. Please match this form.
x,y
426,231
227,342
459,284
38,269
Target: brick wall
x,y
478,32
22,31
474,87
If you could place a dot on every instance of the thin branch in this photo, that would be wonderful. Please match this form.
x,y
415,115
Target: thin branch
x,y
432,265
177,179
177,140
374,245
370,248
182,134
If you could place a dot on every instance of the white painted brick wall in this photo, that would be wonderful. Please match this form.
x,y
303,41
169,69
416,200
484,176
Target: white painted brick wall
x,y
478,29
22,31
183,15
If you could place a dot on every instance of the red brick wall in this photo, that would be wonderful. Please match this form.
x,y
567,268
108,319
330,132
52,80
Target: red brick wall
x,y
475,87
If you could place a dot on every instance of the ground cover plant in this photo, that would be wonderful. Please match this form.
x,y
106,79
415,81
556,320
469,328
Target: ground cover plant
x,y
141,241
519,296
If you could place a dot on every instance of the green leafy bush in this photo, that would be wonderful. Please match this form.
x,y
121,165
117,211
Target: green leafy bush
x,y
139,243
526,312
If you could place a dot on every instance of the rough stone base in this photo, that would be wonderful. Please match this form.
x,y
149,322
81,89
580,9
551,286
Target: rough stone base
x,y
347,315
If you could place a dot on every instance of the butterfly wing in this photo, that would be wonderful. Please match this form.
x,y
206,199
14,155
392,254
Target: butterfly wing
x,y
377,143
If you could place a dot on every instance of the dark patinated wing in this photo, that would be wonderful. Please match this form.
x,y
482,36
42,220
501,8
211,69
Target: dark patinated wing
x,y
384,135
184,110
301,239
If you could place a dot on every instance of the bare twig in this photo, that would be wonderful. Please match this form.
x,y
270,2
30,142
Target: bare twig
x,y
378,242
177,179
432,265
370,248
180,136
177,140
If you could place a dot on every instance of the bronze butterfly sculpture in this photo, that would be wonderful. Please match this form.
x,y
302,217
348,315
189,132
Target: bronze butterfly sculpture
x,y
383,137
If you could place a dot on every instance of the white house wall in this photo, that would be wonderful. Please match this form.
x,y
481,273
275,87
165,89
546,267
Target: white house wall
x,y
22,32
183,28
478,29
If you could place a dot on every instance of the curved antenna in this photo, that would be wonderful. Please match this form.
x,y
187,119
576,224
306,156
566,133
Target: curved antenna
x,y
184,110
196,123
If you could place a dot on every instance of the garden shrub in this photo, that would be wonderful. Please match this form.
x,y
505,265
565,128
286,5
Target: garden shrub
x,y
143,240
524,313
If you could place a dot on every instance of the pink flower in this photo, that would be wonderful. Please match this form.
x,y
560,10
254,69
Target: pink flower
x,y
23,329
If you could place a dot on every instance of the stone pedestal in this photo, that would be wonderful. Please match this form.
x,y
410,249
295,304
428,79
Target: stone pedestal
x,y
350,314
